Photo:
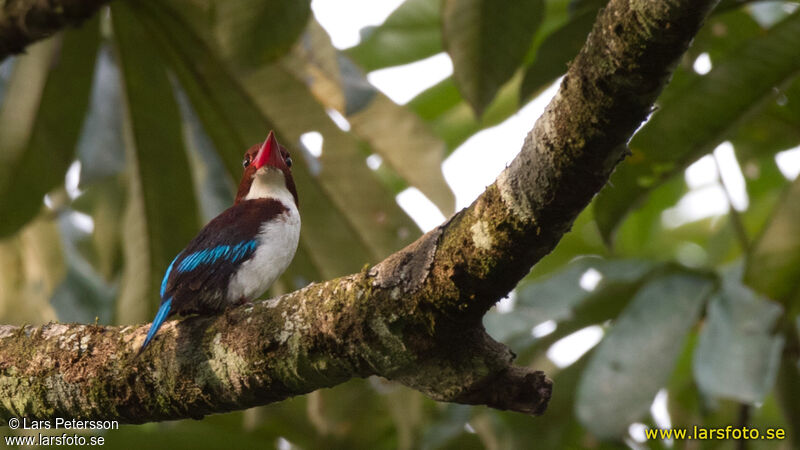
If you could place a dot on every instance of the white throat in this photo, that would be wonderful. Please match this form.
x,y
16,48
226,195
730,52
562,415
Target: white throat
x,y
269,182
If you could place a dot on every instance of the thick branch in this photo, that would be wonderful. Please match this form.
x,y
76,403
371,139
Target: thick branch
x,y
415,317
23,22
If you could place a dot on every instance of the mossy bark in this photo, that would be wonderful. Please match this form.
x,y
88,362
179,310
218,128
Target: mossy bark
x,y
416,316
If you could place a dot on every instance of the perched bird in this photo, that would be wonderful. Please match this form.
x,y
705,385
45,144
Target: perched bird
x,y
241,252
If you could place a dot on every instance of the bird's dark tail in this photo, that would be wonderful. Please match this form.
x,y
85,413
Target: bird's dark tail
x,y
161,316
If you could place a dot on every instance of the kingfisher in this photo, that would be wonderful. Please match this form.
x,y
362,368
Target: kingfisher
x,y
242,251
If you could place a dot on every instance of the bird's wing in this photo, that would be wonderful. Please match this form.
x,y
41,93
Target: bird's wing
x,y
197,279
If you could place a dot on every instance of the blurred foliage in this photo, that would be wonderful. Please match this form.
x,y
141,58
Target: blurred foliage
x,y
158,99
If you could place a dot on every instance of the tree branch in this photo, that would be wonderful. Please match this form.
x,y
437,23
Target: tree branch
x,y
416,316
23,22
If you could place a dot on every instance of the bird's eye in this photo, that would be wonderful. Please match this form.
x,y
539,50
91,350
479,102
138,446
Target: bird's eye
x,y
246,162
288,161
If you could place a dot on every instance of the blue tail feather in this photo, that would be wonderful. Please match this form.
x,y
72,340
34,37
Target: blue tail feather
x,y
161,316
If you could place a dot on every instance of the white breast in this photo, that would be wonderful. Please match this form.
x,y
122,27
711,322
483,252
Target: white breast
x,y
277,242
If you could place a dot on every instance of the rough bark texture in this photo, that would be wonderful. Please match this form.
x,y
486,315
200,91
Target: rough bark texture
x,y
23,22
415,317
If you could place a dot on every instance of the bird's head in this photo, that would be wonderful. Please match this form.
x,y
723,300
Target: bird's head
x,y
267,172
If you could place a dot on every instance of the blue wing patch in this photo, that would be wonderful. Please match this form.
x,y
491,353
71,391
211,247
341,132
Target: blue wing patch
x,y
231,253
162,314
166,276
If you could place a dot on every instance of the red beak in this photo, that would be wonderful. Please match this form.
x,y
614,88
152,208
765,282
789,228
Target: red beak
x,y
268,151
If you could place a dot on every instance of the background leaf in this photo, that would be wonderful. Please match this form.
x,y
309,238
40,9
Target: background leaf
x,y
636,357
41,120
774,264
693,122
278,23
557,49
487,41
410,33
737,355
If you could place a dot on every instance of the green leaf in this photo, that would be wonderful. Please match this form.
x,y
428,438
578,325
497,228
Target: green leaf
x,y
457,123
41,121
723,34
684,399
435,101
555,52
773,266
560,294
253,32
637,355
772,130
694,121
410,33
643,233
160,178
487,41
560,297
738,355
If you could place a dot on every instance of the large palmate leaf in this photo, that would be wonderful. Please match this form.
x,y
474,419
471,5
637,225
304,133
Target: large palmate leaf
x,y
41,121
410,33
162,215
692,122
637,355
487,41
